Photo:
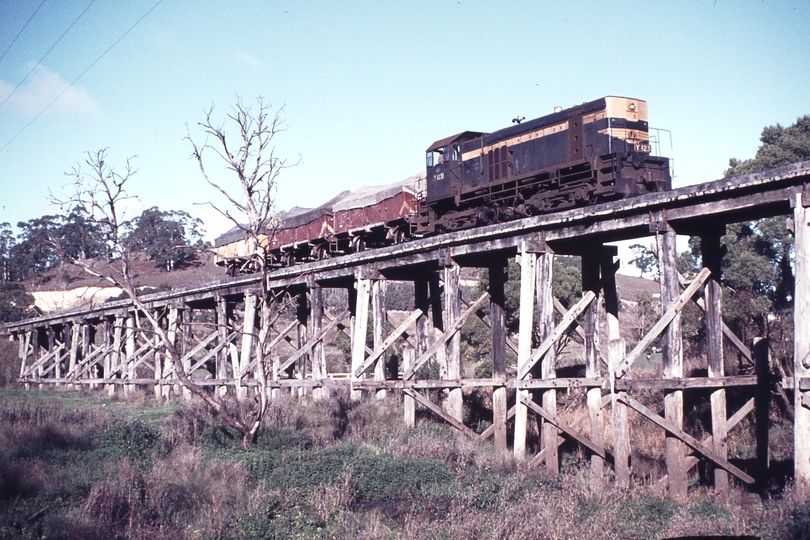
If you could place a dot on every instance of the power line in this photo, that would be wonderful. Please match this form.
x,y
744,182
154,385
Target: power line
x,y
81,75
48,52
13,41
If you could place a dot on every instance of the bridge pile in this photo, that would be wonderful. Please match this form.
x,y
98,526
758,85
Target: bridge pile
x,y
215,327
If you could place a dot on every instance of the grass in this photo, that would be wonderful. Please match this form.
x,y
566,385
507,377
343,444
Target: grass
x,y
77,465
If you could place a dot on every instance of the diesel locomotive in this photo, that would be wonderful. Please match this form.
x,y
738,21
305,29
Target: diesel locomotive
x,y
595,152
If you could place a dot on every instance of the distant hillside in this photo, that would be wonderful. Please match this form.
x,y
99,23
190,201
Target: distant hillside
x,y
70,287
629,286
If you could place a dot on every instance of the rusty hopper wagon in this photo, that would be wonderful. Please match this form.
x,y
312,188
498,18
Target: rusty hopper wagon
x,y
371,216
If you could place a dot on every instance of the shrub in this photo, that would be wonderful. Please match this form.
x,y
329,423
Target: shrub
x,y
20,478
798,526
134,440
377,478
9,364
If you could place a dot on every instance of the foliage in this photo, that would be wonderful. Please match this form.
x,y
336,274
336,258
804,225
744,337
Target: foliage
x,y
15,303
646,260
78,237
780,146
758,280
134,440
34,253
646,313
7,242
45,242
170,238
79,466
566,280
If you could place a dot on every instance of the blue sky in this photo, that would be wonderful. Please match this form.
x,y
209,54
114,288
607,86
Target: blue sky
x,y
367,86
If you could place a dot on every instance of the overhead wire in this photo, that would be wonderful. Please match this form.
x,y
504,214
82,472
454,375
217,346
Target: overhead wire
x,y
47,52
13,41
69,86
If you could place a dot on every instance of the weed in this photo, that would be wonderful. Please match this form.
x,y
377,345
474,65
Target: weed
x,y
20,478
645,517
134,440
798,525
707,509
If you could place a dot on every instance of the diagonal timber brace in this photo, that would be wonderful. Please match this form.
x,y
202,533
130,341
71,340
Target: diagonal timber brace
x,y
345,330
662,323
422,310
447,336
200,346
485,319
541,456
208,355
728,332
92,359
699,447
276,340
490,431
438,411
558,331
42,361
315,339
735,419
553,419
57,360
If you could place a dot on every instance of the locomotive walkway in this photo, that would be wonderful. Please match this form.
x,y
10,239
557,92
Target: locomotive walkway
x,y
214,325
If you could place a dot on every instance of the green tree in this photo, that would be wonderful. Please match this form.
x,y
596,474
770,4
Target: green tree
x,y
758,270
646,313
780,146
7,242
15,303
758,275
45,242
646,260
78,238
34,253
169,238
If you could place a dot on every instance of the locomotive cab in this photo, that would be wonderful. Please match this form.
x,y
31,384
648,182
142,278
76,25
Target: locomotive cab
x,y
443,165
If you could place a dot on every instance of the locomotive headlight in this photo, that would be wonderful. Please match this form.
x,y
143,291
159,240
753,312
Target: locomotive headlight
x,y
632,106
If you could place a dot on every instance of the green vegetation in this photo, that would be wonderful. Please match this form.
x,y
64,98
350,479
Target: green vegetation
x,y
80,466
170,239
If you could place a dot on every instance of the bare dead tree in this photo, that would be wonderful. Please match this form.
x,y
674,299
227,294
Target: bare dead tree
x,y
252,169
243,144
100,194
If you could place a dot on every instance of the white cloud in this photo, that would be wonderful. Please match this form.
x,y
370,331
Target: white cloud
x,y
251,61
40,89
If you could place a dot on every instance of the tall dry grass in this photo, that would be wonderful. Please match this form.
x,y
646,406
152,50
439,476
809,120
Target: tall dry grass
x,y
85,467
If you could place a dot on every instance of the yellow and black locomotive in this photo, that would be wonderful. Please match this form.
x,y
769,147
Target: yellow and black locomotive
x,y
595,152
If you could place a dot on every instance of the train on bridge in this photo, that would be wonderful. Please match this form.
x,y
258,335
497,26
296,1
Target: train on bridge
x,y
595,152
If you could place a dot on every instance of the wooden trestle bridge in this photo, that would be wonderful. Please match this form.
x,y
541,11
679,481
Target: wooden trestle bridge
x,y
104,346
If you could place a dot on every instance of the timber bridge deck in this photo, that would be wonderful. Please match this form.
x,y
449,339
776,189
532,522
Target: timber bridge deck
x,y
215,326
